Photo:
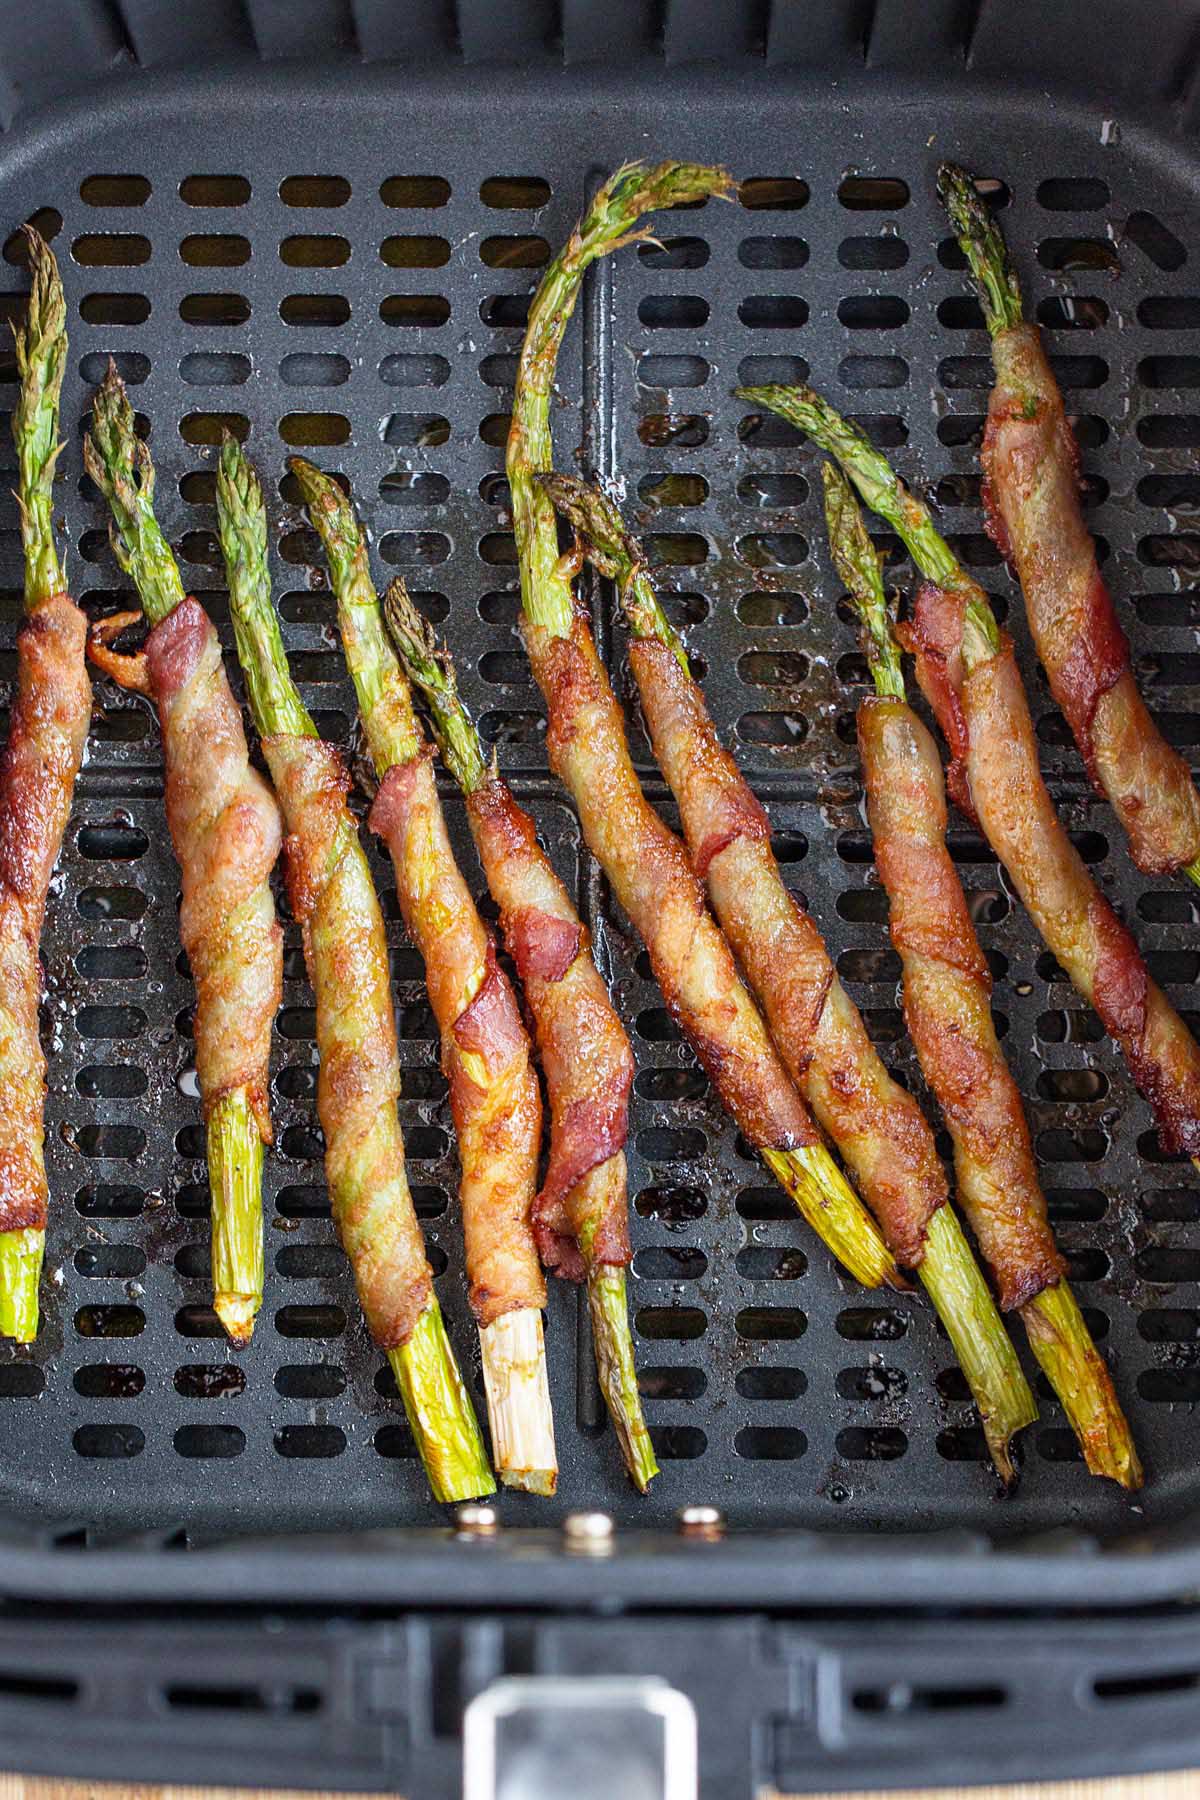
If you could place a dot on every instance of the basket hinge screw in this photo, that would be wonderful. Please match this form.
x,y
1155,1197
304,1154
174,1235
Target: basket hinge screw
x,y
590,1533
476,1520
700,1522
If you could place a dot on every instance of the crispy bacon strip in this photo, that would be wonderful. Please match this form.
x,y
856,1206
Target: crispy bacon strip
x,y
1077,922
1030,462
657,886
47,733
226,831
585,1053
877,1127
359,1080
947,1002
494,1094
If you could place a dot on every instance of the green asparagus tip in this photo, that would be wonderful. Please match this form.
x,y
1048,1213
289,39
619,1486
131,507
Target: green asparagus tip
x,y
1079,1376
119,464
439,1412
618,1375
1192,871
41,353
664,184
430,668
859,565
21,1254
982,243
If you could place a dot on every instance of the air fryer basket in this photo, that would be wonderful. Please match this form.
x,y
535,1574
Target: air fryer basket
x,y
333,254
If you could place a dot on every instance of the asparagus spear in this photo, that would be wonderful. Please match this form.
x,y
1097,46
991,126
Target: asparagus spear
x,y
803,1166
493,1089
875,1125
966,666
571,1010
947,1003
225,828
48,728
1031,494
346,953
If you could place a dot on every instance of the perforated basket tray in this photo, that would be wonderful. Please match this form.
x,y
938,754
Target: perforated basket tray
x,y
338,261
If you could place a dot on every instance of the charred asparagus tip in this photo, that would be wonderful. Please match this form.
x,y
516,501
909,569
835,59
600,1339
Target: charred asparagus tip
x,y
440,1415
235,1164
21,1255
859,566
41,352
601,534
1079,1376
518,1401
824,1197
431,670
951,1278
982,243
618,1374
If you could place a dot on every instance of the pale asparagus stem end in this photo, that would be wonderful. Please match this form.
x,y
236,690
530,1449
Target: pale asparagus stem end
x,y
1079,1376
859,566
235,1164
618,1376
825,1198
41,352
21,1253
951,1278
614,552
431,670
440,1415
982,243
518,1401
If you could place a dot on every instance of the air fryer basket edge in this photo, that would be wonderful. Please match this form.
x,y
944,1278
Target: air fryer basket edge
x,y
1173,1572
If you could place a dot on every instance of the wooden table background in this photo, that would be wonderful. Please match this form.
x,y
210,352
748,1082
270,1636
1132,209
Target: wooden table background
x,y
1135,1787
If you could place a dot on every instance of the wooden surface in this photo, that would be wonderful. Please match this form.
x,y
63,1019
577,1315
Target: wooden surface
x,y
1136,1787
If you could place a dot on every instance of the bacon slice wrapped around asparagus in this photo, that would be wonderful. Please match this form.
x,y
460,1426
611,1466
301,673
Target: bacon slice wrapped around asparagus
x,y
645,862
51,707
947,1005
580,1216
345,951
225,828
967,669
877,1127
486,1059
1031,496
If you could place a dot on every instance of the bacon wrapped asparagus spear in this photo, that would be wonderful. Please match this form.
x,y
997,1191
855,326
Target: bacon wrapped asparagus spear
x,y
225,828
966,667
877,1127
645,862
947,1005
494,1093
580,1216
345,952
1031,498
48,727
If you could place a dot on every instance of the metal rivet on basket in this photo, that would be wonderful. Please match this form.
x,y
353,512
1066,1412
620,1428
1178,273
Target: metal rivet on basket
x,y
700,1522
591,1532
476,1519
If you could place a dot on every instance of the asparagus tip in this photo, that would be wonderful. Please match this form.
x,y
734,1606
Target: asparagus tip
x,y
594,518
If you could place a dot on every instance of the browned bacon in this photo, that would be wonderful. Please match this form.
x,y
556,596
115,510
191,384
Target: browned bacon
x,y
49,722
1031,466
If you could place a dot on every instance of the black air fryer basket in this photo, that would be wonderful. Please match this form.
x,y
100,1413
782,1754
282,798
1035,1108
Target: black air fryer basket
x,y
319,224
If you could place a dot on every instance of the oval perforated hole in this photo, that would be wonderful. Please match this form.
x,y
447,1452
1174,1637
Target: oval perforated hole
x,y
871,1443
115,1442
674,253
210,427
674,1207
395,1441
111,1081
680,431
110,1022
405,489
131,366
673,312
108,1381
314,430
667,489
413,369
515,192
773,253
678,1443
210,1441
314,190
198,1322
415,252
666,372
426,547
773,312
665,1143
766,608
770,1324
673,1383
1068,255
779,730
761,1262
310,1441
109,1261
216,309
214,368
770,1443
314,310
111,250
114,309
313,251
517,252
214,190
415,190
773,193
663,1262
309,1262
310,1381
116,1321
215,250
316,1321
109,1201
671,1323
